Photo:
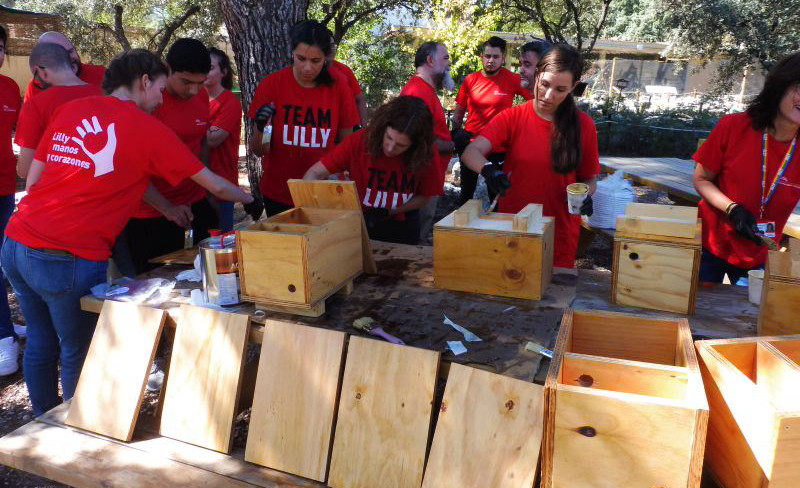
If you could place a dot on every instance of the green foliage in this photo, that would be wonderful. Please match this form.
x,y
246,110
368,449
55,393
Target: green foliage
x,y
636,20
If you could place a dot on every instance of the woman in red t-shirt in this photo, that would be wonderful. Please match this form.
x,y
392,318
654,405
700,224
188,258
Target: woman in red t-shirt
x,y
299,112
87,178
549,144
225,124
391,163
748,174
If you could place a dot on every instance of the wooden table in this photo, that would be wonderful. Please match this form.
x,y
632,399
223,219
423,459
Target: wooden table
x,y
401,297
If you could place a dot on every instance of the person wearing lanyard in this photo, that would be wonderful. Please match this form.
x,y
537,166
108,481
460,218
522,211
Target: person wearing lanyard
x,y
392,164
88,175
749,177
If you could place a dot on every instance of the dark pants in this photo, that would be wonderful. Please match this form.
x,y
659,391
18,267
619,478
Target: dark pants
x,y
469,178
713,269
398,231
274,207
155,236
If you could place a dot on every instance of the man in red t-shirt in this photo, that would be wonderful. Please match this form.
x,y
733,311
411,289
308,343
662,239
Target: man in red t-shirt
x,y
52,68
352,83
484,94
432,63
185,110
90,73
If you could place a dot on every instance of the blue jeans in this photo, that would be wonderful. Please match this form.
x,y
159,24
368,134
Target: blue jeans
x,y
225,215
49,288
6,327
713,269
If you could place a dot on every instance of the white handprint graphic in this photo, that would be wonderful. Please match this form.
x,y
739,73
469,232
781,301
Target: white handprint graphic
x,y
103,159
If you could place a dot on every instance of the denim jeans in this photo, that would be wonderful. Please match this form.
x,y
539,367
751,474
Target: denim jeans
x,y
6,327
49,287
713,269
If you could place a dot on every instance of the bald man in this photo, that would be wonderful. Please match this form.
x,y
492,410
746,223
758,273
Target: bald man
x,y
90,73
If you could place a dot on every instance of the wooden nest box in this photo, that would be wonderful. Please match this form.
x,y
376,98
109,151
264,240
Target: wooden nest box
x,y
624,404
780,295
657,257
753,431
510,255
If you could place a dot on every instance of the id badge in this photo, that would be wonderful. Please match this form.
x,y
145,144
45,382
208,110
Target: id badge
x,y
766,228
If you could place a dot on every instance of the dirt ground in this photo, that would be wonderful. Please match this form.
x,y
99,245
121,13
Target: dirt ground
x,y
15,409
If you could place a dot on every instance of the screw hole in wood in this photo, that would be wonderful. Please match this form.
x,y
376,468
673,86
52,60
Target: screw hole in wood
x,y
585,380
292,288
587,431
634,256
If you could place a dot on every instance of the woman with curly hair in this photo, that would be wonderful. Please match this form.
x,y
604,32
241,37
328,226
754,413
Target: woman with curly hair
x,y
390,162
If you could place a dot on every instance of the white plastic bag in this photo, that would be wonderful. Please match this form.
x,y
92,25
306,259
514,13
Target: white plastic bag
x,y
610,198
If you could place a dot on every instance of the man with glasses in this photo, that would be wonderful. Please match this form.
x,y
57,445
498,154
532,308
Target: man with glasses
x,y
89,73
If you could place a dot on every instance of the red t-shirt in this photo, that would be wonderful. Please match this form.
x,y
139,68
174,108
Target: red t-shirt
x,y
188,118
733,151
381,181
225,112
36,112
90,73
484,96
81,201
525,138
9,111
418,87
352,81
303,129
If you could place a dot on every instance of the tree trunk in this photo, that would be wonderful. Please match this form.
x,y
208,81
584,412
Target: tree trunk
x,y
259,33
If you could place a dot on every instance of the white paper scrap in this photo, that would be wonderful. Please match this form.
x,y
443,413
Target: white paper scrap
x,y
469,336
457,347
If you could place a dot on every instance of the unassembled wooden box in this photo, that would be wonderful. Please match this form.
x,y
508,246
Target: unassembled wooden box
x,y
754,428
296,259
502,254
624,404
780,295
657,257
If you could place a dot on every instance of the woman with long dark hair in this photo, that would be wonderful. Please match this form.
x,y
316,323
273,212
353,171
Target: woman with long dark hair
x,y
549,144
87,178
748,174
225,124
390,162
299,113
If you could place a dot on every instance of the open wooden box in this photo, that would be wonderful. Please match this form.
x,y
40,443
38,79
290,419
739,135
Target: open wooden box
x,y
657,257
780,295
300,257
502,254
624,404
754,427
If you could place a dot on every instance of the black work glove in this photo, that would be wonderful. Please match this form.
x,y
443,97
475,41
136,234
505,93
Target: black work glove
x,y
745,223
496,180
263,115
461,139
254,208
375,215
587,207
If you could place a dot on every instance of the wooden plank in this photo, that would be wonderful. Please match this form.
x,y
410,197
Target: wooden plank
x,y
111,386
529,219
205,371
488,432
627,235
630,442
384,416
338,195
294,404
625,376
788,346
778,377
784,265
656,226
780,308
676,212
334,256
493,223
655,276
786,468
464,215
271,266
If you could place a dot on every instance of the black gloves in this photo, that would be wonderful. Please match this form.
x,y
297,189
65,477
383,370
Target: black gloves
x,y
375,215
744,222
461,139
263,115
254,208
496,180
587,207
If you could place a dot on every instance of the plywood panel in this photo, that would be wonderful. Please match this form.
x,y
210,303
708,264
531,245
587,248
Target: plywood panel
x,y
272,265
334,256
111,386
630,444
204,373
488,432
654,276
337,195
294,404
780,308
677,212
656,226
384,416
